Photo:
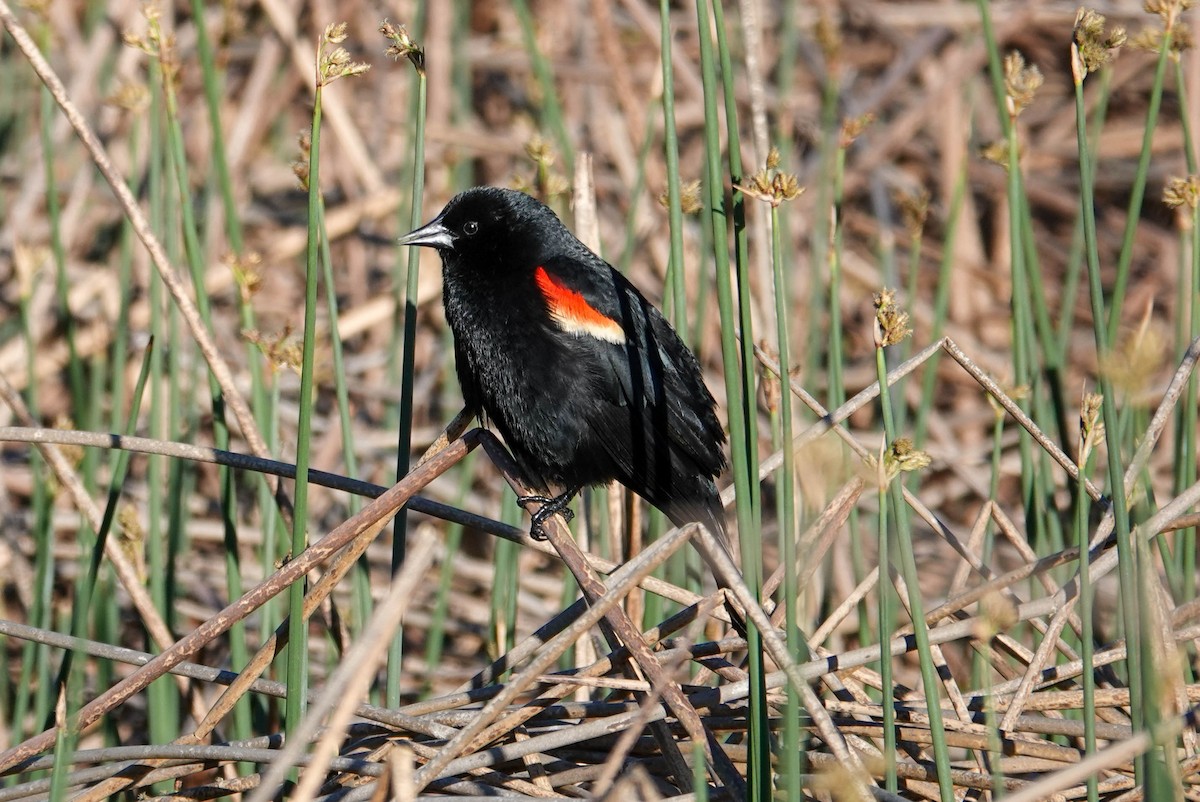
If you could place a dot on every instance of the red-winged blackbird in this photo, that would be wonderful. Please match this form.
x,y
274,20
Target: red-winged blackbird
x,y
586,381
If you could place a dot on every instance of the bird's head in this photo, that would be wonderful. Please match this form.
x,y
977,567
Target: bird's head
x,y
501,228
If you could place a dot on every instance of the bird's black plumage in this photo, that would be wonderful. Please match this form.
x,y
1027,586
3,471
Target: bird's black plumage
x,y
583,377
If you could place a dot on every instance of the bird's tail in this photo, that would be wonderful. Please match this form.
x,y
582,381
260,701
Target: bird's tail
x,y
706,508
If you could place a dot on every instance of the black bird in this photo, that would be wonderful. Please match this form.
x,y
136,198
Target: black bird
x,y
583,377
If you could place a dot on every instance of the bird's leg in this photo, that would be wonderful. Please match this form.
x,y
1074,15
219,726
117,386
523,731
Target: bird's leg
x,y
551,505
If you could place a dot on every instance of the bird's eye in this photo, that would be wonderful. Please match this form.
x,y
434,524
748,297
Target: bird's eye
x,y
470,228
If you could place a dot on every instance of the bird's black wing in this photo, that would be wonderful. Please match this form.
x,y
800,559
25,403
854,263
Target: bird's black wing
x,y
650,383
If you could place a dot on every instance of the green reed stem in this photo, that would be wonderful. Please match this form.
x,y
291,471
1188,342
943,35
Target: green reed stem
x,y
1137,193
759,766
1066,318
790,756
1127,554
1189,328
176,149
241,724
908,569
297,647
407,379
740,404
33,695
1022,350
833,361
887,618
675,301
1087,638
274,528
162,506
675,268
361,577
212,99
1185,457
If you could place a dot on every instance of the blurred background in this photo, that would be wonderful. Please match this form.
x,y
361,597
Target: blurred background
x,y
889,115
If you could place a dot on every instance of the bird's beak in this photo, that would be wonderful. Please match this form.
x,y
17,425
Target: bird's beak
x,y
433,235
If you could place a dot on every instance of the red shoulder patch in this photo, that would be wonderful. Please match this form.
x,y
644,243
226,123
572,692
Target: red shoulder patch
x,y
573,314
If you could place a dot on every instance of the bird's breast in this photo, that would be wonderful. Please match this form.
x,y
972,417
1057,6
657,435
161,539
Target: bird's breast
x,y
535,381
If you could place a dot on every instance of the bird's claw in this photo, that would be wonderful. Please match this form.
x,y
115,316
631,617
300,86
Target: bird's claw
x,y
551,506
